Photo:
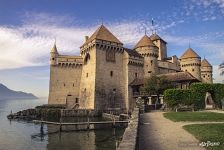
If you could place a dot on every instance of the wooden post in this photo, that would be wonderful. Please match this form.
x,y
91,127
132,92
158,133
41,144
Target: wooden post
x,y
41,125
60,126
88,125
113,121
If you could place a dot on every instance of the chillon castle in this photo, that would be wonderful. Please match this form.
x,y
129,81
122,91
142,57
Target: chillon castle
x,y
106,74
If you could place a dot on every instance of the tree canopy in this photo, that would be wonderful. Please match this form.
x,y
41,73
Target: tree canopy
x,y
157,85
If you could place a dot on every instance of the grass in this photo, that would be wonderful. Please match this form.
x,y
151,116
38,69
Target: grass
x,y
194,116
208,132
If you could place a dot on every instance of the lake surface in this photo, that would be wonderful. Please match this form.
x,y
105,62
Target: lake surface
x,y
21,135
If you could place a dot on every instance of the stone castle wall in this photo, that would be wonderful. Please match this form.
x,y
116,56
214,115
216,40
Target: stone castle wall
x,y
168,67
87,87
64,80
110,87
134,71
162,49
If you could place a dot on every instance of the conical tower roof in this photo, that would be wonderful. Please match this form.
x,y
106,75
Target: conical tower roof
x,y
54,48
190,53
102,33
145,41
205,63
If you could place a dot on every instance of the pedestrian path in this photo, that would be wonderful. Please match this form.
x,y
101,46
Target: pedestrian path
x,y
159,133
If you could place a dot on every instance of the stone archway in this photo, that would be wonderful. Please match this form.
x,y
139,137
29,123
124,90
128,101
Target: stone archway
x,y
209,103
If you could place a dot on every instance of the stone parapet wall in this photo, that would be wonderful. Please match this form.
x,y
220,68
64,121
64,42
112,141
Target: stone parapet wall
x,y
129,141
80,113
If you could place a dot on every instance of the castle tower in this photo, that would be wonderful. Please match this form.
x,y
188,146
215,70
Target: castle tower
x,y
102,70
53,55
149,51
53,62
161,44
190,61
206,71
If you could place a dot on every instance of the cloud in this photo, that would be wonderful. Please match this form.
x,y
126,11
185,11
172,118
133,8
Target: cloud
x,y
216,75
29,44
205,10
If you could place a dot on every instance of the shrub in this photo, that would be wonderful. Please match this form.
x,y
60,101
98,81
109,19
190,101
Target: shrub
x,y
174,97
216,90
195,95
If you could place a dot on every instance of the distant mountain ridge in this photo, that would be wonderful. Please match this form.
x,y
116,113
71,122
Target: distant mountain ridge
x,y
6,94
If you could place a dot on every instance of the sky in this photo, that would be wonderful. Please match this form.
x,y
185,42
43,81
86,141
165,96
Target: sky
x,y
28,29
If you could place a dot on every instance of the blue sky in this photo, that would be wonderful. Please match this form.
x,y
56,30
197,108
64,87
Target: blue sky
x,y
28,29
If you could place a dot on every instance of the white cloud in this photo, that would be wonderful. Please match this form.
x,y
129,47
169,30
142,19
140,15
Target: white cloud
x,y
30,43
216,75
205,10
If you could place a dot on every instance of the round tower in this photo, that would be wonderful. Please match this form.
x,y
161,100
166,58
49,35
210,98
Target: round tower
x,y
190,61
206,71
149,51
54,54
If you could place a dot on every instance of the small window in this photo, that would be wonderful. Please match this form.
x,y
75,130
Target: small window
x,y
52,58
87,75
185,69
151,62
149,71
111,73
208,76
193,70
76,100
204,76
87,58
136,75
64,84
73,84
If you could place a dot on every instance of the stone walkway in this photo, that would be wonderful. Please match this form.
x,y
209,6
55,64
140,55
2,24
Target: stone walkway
x,y
216,111
159,133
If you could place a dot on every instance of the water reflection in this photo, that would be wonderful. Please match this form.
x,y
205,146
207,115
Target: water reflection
x,y
20,135
79,140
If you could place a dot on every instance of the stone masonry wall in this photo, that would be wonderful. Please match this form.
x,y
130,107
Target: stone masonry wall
x,y
87,87
110,87
64,80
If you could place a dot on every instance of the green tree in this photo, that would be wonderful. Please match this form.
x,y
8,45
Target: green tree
x,y
157,85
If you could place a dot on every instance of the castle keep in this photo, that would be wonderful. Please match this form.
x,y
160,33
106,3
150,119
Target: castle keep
x,y
104,74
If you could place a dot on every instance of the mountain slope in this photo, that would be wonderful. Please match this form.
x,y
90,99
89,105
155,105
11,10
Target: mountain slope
x,y
6,93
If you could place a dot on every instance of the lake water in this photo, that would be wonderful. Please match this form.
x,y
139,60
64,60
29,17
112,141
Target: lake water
x,y
21,135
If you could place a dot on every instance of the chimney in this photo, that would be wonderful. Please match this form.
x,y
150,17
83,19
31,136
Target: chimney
x,y
86,38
